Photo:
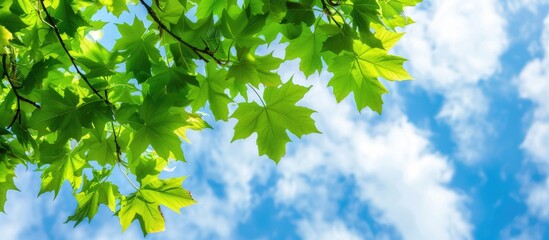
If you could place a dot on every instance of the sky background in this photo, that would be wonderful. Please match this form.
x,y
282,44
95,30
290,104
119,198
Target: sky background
x,y
461,152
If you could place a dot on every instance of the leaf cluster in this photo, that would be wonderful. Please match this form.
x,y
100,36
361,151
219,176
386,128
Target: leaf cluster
x,y
77,109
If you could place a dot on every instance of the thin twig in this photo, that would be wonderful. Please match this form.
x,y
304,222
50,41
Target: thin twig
x,y
327,10
73,60
17,96
116,144
199,52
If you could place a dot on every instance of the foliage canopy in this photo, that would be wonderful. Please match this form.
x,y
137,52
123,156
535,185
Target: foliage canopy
x,y
76,109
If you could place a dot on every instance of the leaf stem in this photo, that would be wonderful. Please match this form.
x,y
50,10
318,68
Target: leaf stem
x,y
259,96
73,60
127,177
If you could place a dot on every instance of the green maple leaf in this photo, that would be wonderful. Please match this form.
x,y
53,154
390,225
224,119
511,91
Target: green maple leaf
x,y
39,71
298,13
156,128
307,47
66,115
171,79
212,89
271,121
69,19
375,62
339,39
195,33
256,6
21,7
144,205
68,166
255,69
139,49
358,73
11,21
98,60
209,7
274,8
169,10
49,153
89,200
242,29
5,37
388,38
395,7
7,173
364,12
116,7
101,150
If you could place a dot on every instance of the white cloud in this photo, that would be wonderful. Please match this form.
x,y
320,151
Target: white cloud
x,y
533,84
452,47
395,171
321,230
531,5
522,229
29,217
236,169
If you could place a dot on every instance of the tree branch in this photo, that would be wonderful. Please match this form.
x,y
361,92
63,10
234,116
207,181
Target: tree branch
x,y
327,10
73,60
14,89
198,51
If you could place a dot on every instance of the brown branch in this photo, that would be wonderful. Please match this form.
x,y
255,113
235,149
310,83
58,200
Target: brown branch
x,y
73,60
197,51
17,95
105,99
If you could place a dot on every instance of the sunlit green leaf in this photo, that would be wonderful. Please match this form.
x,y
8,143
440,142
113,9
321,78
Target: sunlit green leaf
x,y
271,121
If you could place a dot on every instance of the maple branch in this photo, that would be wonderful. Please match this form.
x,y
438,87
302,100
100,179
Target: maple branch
x,y
327,10
198,51
73,60
17,95
117,145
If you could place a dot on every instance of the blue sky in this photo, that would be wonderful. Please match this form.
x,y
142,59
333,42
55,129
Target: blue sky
x,y
462,152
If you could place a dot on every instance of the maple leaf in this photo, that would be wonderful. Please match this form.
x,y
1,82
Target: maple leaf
x,y
307,47
358,73
212,89
5,37
155,127
7,173
90,198
144,205
69,19
65,166
139,49
271,121
254,69
67,115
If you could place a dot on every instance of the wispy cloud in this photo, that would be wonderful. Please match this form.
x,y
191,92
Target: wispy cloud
x,y
531,5
391,165
533,84
29,217
452,47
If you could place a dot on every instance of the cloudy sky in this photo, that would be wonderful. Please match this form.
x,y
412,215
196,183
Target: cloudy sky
x,y
462,152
